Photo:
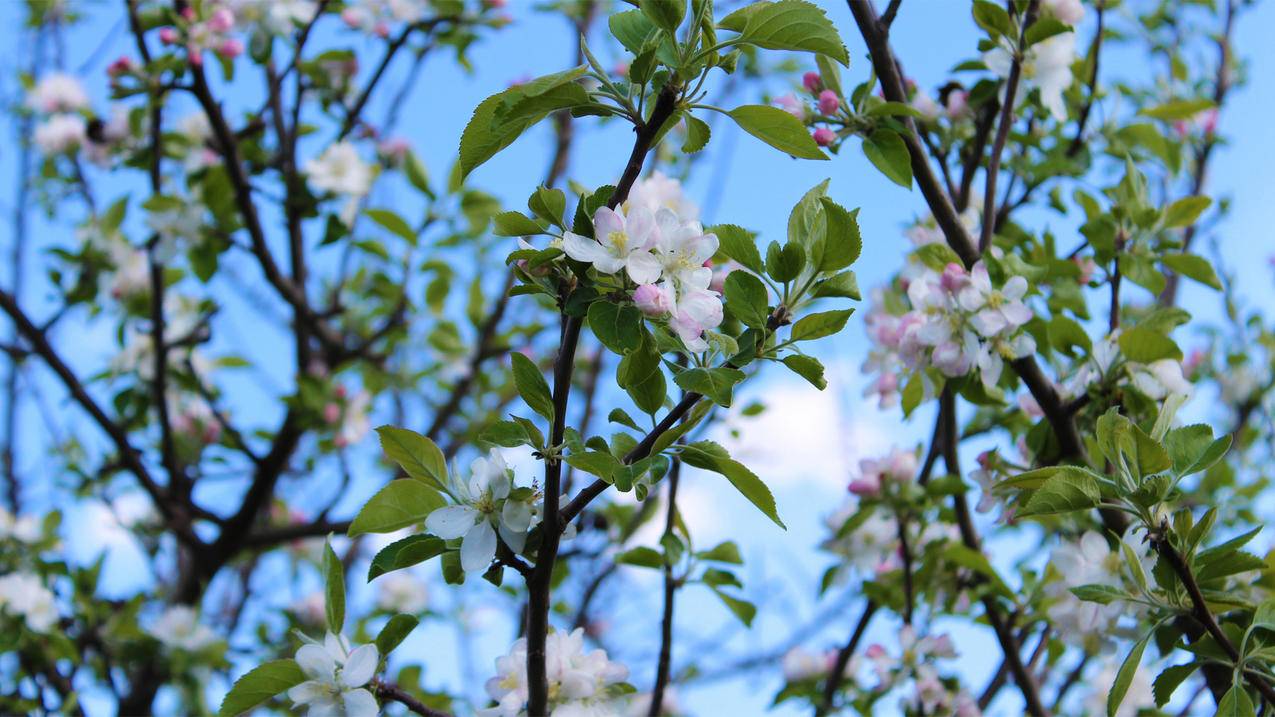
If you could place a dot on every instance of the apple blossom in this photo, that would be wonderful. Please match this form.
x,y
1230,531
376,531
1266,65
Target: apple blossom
x,y
337,676
995,310
340,170
622,243
24,595
61,134
1046,66
578,679
659,191
402,592
483,508
179,628
23,529
58,92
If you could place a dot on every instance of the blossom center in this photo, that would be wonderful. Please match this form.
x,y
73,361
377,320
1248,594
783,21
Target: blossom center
x,y
619,240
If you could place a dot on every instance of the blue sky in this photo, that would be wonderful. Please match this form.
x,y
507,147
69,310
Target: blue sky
x,y
821,436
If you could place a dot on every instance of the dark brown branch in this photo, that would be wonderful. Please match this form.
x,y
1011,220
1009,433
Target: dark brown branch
x,y
663,665
837,675
389,691
1095,52
1002,132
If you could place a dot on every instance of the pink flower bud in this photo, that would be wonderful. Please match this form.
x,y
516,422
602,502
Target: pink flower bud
x,y
954,278
957,103
813,82
341,392
188,13
230,48
381,30
222,20
168,35
829,103
195,54
824,136
331,413
793,106
352,18
1087,268
1208,120
651,300
495,4
621,69
122,65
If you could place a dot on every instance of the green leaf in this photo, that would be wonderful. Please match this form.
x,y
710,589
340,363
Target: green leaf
x,y
1064,492
808,368
549,204
532,386
718,384
260,684
515,224
1149,457
1194,267
913,392
992,18
334,590
398,628
1101,594
1169,679
399,504
618,327
739,244
417,455
1124,677
1193,449
727,552
785,263
1185,211
671,436
1144,345
741,609
778,129
887,150
1043,29
666,14
640,375
697,135
392,222
598,463
712,457
747,298
405,553
787,25
503,117
842,243
817,326
1236,703
1177,109
641,556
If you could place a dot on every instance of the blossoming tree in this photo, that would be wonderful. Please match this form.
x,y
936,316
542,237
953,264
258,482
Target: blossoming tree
x,y
234,184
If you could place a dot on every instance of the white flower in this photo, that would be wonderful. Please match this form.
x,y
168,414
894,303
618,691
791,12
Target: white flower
x,y
354,420
481,509
898,466
337,675
1160,379
179,220
24,595
24,529
178,628
58,92
1047,66
622,243
132,271
340,170
800,664
993,354
658,192
695,311
679,252
870,546
578,680
996,310
1087,561
1068,11
61,134
275,16
402,592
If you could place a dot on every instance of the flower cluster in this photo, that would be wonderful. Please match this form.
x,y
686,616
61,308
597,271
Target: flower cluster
x,y
655,239
486,504
915,667
24,595
23,529
179,628
876,474
61,100
376,16
817,104
955,322
212,31
579,680
1046,65
1086,561
274,16
337,675
1156,380
341,171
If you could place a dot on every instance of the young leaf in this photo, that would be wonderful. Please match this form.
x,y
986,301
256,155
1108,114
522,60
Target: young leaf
x,y
417,455
1144,345
405,553
1065,492
778,129
618,327
398,628
1124,676
842,243
391,221
741,609
1185,211
718,384
532,386
260,684
747,298
817,326
1194,267
334,590
712,457
1236,703
667,14
886,149
808,368
739,244
399,504
787,25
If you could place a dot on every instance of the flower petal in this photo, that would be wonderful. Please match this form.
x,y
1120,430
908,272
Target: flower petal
x,y
316,662
478,548
644,267
582,248
452,521
360,666
360,703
